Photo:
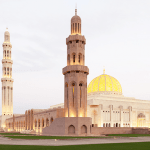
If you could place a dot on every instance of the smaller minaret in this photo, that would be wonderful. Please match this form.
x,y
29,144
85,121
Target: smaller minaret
x,y
7,81
75,98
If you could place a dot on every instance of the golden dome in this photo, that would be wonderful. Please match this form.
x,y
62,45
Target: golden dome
x,y
105,84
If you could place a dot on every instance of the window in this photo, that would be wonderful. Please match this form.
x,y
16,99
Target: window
x,y
43,123
74,58
47,122
7,54
7,71
80,93
73,85
79,58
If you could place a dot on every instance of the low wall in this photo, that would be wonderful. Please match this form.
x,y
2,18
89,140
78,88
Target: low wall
x,y
118,130
140,130
111,130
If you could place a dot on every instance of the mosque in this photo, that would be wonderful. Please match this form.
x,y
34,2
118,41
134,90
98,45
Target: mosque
x,y
85,109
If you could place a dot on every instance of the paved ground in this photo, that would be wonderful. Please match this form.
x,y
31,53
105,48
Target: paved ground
x,y
53,142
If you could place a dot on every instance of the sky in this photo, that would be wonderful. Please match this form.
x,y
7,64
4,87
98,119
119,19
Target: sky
x,y
117,36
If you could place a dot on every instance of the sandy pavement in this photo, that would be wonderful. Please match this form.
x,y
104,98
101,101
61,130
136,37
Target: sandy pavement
x,y
53,142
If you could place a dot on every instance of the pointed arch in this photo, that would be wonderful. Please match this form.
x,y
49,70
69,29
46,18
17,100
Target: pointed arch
x,y
47,122
74,57
71,129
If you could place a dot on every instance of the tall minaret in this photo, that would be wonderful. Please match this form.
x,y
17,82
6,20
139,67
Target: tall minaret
x,y
75,73
7,81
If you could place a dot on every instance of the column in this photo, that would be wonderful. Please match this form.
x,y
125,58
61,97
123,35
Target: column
x,y
9,72
111,115
130,115
121,116
2,96
100,115
12,98
6,96
6,70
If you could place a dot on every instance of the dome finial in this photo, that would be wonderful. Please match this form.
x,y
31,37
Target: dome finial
x,y
6,28
76,10
104,70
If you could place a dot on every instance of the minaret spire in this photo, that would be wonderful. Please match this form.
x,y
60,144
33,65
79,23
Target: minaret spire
x,y
104,70
76,10
75,100
7,81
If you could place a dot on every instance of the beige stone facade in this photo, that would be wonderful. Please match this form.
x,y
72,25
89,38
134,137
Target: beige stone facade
x,y
7,81
98,109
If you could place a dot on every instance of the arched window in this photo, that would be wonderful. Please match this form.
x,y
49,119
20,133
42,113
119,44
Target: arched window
x,y
80,92
80,61
74,58
116,124
8,54
42,122
47,122
7,71
35,123
52,119
79,58
73,86
71,129
83,129
5,54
